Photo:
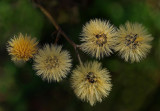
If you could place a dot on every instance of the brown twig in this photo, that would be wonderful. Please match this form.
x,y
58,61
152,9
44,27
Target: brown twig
x,y
52,20
57,37
78,56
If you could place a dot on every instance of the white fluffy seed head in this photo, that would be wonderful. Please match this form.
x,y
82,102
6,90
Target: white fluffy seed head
x,y
52,63
98,38
133,42
91,82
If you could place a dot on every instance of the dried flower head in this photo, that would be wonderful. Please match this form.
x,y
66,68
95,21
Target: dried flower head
x,y
22,47
91,82
133,42
51,63
98,38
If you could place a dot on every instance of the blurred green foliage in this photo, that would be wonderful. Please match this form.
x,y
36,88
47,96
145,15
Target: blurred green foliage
x,y
136,87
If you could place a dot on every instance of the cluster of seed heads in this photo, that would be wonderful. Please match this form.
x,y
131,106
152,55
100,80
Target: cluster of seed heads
x,y
99,38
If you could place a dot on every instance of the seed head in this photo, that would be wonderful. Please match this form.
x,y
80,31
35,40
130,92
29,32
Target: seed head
x,y
98,38
52,63
133,42
22,47
91,82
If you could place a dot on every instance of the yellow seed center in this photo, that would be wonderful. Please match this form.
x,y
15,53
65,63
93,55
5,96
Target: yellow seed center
x,y
101,39
91,77
52,62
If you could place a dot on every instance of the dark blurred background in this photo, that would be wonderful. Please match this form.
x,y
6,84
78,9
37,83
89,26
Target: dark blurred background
x,y
136,87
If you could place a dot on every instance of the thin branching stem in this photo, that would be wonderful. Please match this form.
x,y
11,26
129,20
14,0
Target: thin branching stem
x,y
60,31
57,37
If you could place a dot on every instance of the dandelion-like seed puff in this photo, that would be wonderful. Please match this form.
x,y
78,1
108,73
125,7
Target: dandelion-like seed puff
x,y
52,63
22,47
91,82
133,42
98,38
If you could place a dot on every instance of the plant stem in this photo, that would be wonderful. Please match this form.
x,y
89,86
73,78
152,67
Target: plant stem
x,y
57,37
60,31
